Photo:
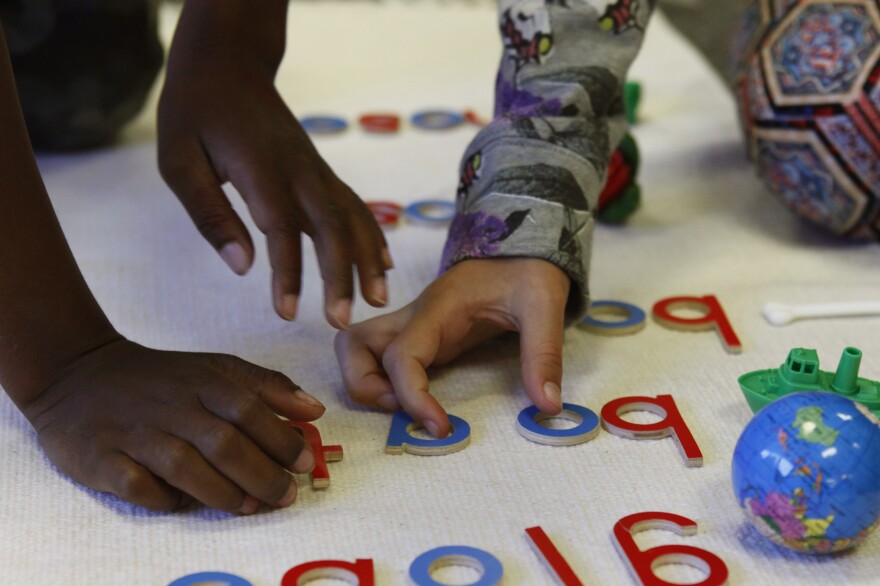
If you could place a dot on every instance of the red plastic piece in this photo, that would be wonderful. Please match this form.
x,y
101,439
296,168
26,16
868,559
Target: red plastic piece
x,y
672,424
474,119
380,123
618,177
642,563
386,213
323,454
556,564
714,318
305,573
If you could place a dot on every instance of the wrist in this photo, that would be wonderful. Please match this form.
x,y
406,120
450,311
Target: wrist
x,y
256,29
42,352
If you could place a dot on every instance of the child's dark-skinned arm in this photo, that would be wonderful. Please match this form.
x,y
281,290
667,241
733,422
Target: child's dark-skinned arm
x,y
155,428
221,119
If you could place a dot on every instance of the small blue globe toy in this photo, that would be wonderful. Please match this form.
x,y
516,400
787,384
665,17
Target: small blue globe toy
x,y
806,471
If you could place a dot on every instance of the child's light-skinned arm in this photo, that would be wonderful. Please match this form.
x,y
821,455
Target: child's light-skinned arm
x,y
518,251
221,120
155,428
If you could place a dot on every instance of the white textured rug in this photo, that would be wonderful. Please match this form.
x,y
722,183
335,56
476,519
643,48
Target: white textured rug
x,y
706,226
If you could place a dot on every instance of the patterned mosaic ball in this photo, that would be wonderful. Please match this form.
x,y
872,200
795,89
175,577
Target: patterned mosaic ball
x,y
806,471
809,101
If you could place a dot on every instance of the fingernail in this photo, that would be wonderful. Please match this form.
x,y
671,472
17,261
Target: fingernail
x,y
250,505
289,497
307,398
388,401
305,462
553,393
386,258
380,290
341,313
432,428
289,303
234,255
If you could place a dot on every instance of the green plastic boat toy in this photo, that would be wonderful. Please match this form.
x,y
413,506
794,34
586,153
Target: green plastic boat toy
x,y
800,372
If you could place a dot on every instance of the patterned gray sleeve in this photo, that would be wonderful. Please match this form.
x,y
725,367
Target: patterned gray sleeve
x,y
531,178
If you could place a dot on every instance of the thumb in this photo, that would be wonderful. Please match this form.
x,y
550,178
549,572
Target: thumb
x,y
276,390
541,332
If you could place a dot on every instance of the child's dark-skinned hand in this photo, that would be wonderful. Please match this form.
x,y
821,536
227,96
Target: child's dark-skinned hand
x,y
221,119
159,428
156,428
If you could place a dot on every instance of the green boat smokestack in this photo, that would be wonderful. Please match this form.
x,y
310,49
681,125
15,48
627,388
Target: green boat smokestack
x,y
847,371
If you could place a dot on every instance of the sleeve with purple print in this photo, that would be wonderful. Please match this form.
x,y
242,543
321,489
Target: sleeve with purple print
x,y
531,178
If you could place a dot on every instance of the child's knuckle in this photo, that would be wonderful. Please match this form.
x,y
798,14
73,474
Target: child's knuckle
x,y
245,408
222,442
133,485
334,220
394,355
211,219
176,460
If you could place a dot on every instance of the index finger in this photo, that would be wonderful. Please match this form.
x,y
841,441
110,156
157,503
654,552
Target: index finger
x,y
405,361
345,235
357,351
541,332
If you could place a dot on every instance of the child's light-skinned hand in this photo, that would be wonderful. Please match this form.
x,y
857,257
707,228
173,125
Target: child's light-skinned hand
x,y
221,120
159,428
384,360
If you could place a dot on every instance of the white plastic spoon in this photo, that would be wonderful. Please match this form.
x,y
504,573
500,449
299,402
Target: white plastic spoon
x,y
780,314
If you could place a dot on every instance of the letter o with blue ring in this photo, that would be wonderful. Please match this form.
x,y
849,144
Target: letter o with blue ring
x,y
400,439
528,423
633,318
437,119
323,124
211,577
456,555
432,212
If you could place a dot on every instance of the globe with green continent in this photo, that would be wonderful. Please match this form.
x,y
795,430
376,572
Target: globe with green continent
x,y
806,471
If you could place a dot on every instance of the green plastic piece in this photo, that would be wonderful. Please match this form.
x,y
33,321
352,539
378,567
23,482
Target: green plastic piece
x,y
632,94
846,378
629,149
617,210
800,372
621,207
